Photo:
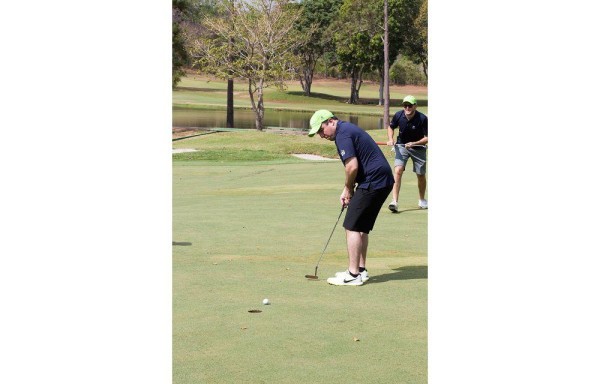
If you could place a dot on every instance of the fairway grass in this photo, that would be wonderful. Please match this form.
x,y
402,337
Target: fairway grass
x,y
202,92
248,230
252,145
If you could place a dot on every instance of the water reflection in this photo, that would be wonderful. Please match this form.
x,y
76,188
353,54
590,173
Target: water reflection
x,y
204,118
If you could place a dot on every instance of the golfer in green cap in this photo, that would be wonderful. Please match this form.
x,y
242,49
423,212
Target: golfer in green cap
x,y
368,183
411,143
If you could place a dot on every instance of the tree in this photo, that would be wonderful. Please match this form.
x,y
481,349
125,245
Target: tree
x,y
402,15
386,68
315,18
186,17
259,48
180,57
360,37
359,40
417,46
230,110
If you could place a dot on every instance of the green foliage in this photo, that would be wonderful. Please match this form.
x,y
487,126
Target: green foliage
x,y
358,35
313,24
403,14
363,17
180,57
180,5
198,9
417,46
186,16
405,71
408,34
252,42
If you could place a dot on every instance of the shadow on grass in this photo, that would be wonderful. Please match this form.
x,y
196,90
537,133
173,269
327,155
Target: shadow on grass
x,y
195,89
394,103
410,209
317,95
403,273
183,243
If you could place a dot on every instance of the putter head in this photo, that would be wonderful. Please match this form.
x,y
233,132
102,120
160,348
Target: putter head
x,y
313,277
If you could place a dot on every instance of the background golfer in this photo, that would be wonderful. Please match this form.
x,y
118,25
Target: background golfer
x,y
412,138
369,181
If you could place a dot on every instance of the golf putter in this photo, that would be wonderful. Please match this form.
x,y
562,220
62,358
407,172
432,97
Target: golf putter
x,y
315,276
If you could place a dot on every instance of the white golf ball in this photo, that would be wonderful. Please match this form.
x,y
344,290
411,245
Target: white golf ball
x,y
266,302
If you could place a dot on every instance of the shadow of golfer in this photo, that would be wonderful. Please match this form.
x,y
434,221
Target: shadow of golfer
x,y
403,273
411,209
184,243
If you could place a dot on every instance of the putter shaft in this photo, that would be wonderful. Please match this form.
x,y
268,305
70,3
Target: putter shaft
x,y
327,243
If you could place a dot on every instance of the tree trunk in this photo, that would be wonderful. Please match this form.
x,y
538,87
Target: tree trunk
x,y
381,81
354,86
257,120
353,98
360,81
424,62
386,68
230,85
260,107
229,103
308,78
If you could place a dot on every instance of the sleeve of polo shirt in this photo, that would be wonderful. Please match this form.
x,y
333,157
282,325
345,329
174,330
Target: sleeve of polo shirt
x,y
345,148
425,125
395,120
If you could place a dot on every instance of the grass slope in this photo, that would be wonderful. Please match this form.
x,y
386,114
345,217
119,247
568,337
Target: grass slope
x,y
252,145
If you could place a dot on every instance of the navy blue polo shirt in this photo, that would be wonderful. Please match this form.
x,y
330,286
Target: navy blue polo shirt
x,y
410,131
374,170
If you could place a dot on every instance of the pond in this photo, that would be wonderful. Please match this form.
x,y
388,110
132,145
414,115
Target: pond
x,y
243,118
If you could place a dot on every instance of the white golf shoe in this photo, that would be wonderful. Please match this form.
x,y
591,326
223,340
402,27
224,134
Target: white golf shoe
x,y
393,206
422,203
364,275
345,279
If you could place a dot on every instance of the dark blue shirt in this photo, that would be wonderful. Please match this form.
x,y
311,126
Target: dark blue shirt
x,y
410,131
374,170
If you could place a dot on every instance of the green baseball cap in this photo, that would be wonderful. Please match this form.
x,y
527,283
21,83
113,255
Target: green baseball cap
x,y
410,99
317,119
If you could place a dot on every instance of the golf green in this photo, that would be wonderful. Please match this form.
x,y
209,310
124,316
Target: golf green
x,y
247,231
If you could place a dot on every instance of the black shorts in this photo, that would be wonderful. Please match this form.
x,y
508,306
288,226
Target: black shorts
x,y
364,208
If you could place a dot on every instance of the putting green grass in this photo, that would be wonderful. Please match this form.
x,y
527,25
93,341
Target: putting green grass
x,y
248,230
